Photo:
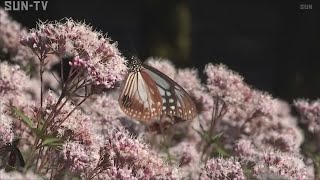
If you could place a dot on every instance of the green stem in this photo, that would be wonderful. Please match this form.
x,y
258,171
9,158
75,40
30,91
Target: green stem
x,y
32,153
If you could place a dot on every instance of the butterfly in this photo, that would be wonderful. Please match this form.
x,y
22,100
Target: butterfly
x,y
148,95
11,155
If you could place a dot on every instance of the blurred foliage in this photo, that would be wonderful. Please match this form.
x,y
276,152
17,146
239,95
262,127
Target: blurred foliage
x,y
168,29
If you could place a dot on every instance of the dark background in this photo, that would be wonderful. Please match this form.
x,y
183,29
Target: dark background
x,y
273,44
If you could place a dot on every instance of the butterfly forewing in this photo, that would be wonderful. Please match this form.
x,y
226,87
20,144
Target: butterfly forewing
x,y
140,97
176,101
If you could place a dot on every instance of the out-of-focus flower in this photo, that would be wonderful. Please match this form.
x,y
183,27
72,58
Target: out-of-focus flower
x,y
310,112
276,164
105,110
114,173
163,65
219,168
246,150
6,132
10,31
14,93
226,84
121,150
92,52
189,79
230,86
10,46
18,176
11,78
188,158
12,87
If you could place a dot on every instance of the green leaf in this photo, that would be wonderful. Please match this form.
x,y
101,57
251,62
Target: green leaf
x,y
222,152
216,137
37,132
23,117
52,141
26,120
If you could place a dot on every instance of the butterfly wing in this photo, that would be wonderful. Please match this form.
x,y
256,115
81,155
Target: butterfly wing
x,y
176,101
140,98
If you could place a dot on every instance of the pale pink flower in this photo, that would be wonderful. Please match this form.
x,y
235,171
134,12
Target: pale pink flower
x,y
230,86
104,110
15,175
13,93
226,84
281,165
6,129
186,155
12,87
114,173
11,78
76,126
163,65
79,157
310,112
92,52
189,80
255,115
245,149
81,151
121,150
10,32
219,168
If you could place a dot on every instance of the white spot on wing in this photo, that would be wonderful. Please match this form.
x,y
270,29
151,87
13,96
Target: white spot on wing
x,y
161,91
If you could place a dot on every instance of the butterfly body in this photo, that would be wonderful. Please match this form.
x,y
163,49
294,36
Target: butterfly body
x,y
148,94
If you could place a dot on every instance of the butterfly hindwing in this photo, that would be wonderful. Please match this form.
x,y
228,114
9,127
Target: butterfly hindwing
x,y
176,101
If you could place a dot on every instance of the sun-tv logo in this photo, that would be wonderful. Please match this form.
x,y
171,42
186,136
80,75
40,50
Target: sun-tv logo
x,y
25,5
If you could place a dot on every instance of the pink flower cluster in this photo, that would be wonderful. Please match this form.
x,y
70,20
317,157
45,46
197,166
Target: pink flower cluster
x,y
187,156
10,32
13,90
219,168
11,78
275,164
105,111
310,112
122,152
92,52
253,118
17,175
6,130
239,133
